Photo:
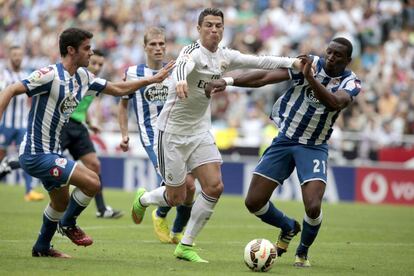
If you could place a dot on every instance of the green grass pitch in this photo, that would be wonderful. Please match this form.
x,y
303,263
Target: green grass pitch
x,y
354,239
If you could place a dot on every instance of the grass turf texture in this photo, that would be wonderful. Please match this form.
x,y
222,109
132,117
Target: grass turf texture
x,y
354,239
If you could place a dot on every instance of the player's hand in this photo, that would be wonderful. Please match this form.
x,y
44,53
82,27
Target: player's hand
x,y
164,72
308,69
297,64
124,144
181,89
215,86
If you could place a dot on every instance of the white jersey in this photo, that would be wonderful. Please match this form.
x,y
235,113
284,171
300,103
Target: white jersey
x,y
15,115
148,102
199,66
299,114
55,95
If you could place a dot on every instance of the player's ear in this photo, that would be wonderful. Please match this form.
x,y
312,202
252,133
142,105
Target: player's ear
x,y
198,28
71,50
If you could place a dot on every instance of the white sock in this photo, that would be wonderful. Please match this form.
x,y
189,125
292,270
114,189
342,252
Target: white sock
x,y
52,214
154,197
200,214
81,198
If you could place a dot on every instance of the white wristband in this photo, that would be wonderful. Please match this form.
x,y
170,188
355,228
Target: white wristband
x,y
229,80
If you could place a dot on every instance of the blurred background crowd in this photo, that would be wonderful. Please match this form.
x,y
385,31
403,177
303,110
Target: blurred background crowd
x,y
382,32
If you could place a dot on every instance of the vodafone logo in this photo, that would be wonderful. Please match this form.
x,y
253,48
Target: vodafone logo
x,y
374,188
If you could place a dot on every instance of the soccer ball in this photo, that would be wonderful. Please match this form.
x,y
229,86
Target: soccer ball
x,y
259,255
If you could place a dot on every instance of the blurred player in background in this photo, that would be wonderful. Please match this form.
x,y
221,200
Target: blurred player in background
x,y
75,137
305,115
56,91
14,122
184,141
148,102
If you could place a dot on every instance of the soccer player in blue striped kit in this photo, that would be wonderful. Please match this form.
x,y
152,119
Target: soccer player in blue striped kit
x,y
56,91
148,102
305,115
13,124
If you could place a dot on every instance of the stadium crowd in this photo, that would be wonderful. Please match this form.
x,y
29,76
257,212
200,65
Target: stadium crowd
x,y
382,33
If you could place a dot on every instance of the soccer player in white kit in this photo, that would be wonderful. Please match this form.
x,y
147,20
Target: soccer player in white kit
x,y
147,103
184,141
56,91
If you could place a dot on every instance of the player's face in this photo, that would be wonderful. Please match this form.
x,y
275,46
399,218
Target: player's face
x,y
95,64
211,31
155,48
16,57
83,54
336,58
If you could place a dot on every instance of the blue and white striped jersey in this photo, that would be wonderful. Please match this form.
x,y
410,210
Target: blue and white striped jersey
x,y
55,95
148,102
299,114
15,115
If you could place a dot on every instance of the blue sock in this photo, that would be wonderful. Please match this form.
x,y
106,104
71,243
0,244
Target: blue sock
x,y
271,215
163,211
309,232
48,229
99,200
183,215
77,203
27,181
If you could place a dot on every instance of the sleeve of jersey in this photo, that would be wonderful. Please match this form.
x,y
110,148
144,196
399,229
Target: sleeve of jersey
x,y
96,85
239,60
352,86
39,81
185,64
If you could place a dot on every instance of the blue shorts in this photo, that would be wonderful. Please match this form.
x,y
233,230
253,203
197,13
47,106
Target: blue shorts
x,y
283,155
8,135
53,170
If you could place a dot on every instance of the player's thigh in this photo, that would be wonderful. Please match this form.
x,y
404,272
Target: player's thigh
x,y
172,158
91,161
85,179
205,160
52,169
277,162
311,163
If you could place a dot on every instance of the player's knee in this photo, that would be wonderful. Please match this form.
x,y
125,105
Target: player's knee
x,y
313,210
176,199
251,205
94,185
190,188
214,189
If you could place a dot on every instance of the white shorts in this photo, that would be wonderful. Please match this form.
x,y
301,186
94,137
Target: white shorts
x,y
180,154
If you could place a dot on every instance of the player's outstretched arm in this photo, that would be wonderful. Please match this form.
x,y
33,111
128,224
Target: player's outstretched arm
x,y
128,87
333,101
255,78
123,123
8,93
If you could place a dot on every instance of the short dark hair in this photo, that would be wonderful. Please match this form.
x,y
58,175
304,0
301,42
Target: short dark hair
x,y
209,11
98,52
72,37
346,43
